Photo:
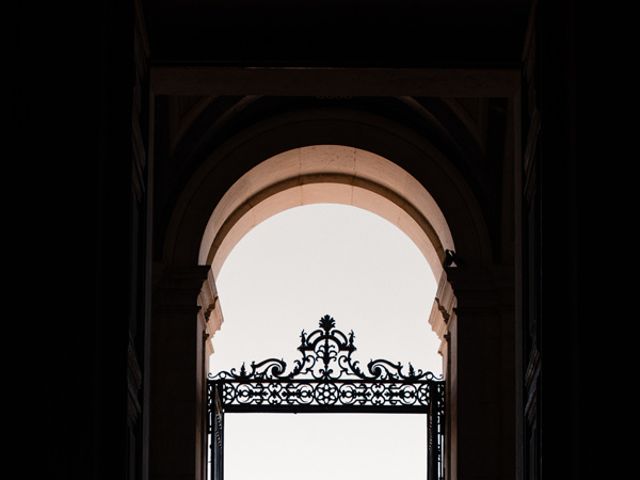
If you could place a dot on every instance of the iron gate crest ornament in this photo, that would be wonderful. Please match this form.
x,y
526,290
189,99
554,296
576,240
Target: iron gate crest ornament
x,y
326,378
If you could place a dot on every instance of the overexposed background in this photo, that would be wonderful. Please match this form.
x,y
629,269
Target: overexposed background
x,y
280,279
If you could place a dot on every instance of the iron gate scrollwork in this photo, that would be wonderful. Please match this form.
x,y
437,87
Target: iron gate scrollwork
x,y
328,379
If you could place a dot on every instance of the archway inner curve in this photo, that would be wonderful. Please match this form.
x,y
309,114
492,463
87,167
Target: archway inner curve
x,y
327,174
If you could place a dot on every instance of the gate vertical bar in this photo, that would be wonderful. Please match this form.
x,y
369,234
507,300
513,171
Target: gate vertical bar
x,y
217,436
432,433
215,432
440,423
209,430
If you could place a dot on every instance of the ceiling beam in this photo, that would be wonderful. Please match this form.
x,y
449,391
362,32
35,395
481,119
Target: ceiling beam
x,y
334,82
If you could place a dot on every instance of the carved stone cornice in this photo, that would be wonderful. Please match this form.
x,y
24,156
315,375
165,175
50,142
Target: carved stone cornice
x,y
443,306
177,287
482,288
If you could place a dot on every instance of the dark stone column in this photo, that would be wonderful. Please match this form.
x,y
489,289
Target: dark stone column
x,y
481,375
178,390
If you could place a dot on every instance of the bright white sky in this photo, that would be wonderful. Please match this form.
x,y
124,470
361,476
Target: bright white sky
x,y
281,278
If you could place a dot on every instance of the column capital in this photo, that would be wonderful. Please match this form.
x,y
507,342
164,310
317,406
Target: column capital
x,y
189,289
443,307
487,287
176,286
180,276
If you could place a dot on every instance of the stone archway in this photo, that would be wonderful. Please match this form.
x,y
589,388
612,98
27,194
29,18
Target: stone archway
x,y
328,156
327,174
330,174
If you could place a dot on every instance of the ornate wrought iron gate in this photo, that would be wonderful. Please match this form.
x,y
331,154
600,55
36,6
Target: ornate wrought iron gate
x,y
327,379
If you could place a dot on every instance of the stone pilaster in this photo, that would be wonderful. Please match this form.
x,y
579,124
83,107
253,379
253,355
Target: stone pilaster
x,y
480,375
183,299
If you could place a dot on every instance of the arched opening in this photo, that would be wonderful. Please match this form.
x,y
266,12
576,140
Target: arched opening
x,y
330,174
276,281
324,258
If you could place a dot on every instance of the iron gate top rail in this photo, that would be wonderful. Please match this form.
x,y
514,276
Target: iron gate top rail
x,y
326,379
